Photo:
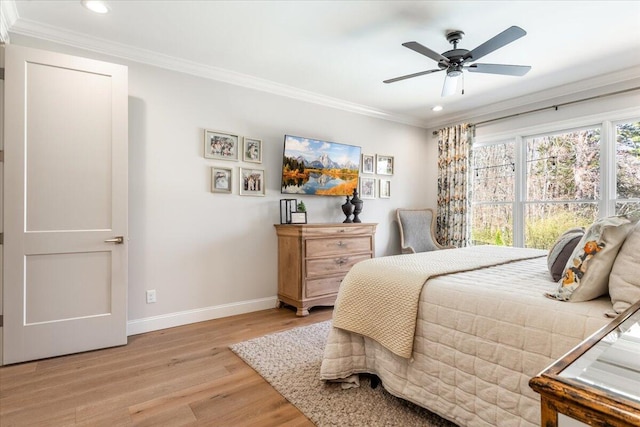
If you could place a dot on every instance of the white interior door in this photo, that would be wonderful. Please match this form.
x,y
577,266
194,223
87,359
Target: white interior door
x,y
65,188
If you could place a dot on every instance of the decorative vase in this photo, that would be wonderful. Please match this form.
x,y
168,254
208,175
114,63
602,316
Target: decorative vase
x,y
348,208
357,203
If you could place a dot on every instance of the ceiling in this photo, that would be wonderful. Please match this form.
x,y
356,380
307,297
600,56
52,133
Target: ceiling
x,y
339,52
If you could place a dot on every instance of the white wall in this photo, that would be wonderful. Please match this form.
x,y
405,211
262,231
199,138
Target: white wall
x,y
209,255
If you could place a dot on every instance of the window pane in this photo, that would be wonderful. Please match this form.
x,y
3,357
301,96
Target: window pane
x,y
546,221
628,160
493,173
492,225
623,208
564,166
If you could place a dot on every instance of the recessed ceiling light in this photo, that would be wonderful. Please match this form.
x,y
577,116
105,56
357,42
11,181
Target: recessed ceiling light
x,y
437,108
95,6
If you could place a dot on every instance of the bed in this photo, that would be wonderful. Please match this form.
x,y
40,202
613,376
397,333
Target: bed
x,y
481,329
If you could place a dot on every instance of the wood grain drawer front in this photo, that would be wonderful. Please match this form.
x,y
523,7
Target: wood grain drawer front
x,y
339,264
324,286
357,230
338,246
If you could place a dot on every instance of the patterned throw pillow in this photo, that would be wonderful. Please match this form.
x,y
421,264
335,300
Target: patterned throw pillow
x,y
586,275
561,251
624,281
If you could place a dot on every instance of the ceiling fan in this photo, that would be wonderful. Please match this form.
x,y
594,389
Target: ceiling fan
x,y
455,61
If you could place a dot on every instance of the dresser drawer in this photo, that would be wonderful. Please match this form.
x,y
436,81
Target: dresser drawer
x,y
351,230
339,264
337,246
323,286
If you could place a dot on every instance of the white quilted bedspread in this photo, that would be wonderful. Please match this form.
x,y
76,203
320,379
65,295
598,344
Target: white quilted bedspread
x,y
372,291
480,336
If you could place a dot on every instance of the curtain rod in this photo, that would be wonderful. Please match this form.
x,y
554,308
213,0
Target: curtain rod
x,y
555,107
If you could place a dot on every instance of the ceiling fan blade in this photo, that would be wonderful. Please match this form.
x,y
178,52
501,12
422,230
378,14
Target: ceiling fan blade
x,y
509,70
452,84
408,76
417,47
504,38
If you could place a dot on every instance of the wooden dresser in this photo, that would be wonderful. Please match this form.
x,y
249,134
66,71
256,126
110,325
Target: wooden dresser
x,y
314,258
598,382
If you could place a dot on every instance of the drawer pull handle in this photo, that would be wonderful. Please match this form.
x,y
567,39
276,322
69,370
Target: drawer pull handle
x,y
340,243
341,261
341,230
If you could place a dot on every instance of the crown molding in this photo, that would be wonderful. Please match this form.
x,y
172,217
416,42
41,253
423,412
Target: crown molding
x,y
38,30
8,17
11,22
570,91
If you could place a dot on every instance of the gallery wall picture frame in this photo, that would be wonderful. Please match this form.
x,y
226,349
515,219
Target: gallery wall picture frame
x,y
252,150
252,182
385,189
384,164
221,180
368,163
221,145
298,217
367,188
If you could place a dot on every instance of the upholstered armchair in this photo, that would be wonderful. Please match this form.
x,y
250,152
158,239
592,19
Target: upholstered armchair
x,y
417,231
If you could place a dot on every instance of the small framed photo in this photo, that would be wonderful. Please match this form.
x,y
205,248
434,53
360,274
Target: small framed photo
x,y
367,163
252,150
385,189
298,217
252,182
221,145
367,188
221,179
384,165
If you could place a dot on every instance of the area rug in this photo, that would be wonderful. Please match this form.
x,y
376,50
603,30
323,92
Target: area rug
x,y
290,362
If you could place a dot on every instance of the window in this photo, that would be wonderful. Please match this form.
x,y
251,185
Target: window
x,y
627,167
528,190
493,194
563,184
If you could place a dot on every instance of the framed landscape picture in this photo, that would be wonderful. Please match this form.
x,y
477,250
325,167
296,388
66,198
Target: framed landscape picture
x,y
252,182
221,145
319,167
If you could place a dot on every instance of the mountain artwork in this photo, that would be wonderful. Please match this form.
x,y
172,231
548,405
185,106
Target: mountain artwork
x,y
316,167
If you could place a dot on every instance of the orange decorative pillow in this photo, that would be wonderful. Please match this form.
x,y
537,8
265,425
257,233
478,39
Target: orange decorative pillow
x,y
586,274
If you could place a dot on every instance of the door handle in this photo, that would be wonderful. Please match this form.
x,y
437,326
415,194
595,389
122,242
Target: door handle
x,y
118,240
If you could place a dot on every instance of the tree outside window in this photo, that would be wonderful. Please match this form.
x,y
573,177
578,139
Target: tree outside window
x,y
563,183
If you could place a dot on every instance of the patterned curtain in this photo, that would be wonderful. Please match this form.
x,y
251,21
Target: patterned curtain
x,y
454,159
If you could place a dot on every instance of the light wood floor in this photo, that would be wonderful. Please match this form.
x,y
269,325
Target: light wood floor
x,y
173,377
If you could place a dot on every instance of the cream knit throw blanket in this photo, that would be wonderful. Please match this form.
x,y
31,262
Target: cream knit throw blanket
x,y
379,297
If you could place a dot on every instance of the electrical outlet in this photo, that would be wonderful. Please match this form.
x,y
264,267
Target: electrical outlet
x,y
151,296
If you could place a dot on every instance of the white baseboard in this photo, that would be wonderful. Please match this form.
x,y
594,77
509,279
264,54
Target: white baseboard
x,y
148,324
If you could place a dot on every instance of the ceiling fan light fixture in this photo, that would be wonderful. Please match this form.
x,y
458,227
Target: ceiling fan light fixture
x,y
453,83
437,108
95,6
455,60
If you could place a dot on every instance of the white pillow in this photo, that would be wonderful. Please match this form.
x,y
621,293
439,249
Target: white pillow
x,y
624,280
